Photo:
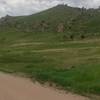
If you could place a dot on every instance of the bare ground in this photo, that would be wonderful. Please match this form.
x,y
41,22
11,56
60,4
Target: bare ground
x,y
17,88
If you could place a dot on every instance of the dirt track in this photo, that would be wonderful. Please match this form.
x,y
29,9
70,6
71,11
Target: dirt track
x,y
16,88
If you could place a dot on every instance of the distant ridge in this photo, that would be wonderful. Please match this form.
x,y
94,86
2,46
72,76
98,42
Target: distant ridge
x,y
59,19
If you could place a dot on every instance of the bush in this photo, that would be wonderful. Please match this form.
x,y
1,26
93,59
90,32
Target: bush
x,y
82,36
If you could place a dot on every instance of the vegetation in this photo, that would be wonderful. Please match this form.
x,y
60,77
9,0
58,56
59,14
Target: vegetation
x,y
59,19
73,65
68,57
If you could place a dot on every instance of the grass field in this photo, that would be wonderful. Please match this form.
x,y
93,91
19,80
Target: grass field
x,y
73,65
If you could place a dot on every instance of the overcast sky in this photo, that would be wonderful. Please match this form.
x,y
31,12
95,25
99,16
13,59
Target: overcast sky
x,y
25,7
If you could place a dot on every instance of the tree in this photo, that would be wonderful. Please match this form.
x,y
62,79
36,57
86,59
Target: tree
x,y
82,36
71,37
43,25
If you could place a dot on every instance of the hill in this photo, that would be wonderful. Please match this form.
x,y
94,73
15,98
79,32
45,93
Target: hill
x,y
59,19
59,23
46,21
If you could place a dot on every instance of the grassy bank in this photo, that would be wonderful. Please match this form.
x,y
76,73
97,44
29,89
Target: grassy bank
x,y
73,65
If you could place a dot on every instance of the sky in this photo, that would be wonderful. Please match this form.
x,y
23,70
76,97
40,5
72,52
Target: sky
x,y
27,7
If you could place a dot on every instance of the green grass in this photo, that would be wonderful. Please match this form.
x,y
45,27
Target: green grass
x,y
72,65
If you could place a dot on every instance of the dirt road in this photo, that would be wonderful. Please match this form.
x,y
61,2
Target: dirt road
x,y
16,88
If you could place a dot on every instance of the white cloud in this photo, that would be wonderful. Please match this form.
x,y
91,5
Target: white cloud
x,y
25,7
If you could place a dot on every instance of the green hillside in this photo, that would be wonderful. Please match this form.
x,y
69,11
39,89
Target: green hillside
x,y
62,18
48,19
